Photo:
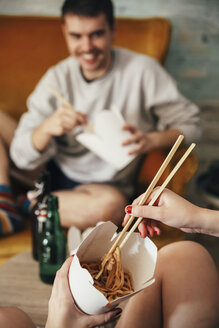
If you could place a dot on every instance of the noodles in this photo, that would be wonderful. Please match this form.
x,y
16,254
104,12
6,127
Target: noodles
x,y
109,277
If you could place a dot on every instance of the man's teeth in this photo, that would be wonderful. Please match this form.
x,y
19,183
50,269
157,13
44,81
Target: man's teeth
x,y
88,56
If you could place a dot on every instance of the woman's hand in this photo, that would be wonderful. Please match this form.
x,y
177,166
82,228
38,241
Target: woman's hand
x,y
63,311
170,208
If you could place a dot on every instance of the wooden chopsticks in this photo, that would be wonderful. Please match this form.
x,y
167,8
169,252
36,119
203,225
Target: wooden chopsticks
x,y
88,126
159,191
150,188
59,97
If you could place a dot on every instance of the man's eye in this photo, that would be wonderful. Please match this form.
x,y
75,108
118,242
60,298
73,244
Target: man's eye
x,y
98,34
75,36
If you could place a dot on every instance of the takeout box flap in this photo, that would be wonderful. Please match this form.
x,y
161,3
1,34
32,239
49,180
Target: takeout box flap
x,y
138,257
106,141
81,285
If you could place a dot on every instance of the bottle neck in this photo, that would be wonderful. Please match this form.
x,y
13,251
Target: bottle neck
x,y
52,223
42,198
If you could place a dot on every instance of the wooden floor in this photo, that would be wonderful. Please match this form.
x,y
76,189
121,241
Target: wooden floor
x,y
14,244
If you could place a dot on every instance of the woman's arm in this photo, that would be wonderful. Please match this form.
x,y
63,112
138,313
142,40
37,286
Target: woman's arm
x,y
175,211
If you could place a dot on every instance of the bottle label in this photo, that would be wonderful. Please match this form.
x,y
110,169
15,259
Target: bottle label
x,y
42,216
53,255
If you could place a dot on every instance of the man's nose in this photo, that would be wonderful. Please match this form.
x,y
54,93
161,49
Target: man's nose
x,y
87,44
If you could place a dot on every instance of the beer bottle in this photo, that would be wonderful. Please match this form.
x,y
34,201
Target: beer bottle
x,y
53,243
38,212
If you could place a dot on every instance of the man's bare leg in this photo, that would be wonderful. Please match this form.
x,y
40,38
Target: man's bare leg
x,y
86,205
10,218
4,164
8,125
187,286
7,128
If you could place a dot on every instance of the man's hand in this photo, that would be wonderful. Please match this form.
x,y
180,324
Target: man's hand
x,y
142,142
146,142
64,120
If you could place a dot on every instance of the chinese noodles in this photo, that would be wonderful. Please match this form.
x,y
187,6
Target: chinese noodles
x,y
113,282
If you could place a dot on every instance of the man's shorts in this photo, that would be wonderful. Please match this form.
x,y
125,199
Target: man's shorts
x,y
59,181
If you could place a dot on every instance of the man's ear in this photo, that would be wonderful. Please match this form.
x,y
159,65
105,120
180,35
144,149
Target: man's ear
x,y
63,28
114,30
64,32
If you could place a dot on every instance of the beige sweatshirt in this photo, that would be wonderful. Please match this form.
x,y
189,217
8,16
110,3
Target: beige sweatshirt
x,y
142,90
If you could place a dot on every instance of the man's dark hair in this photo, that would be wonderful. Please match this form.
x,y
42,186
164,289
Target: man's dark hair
x,y
90,8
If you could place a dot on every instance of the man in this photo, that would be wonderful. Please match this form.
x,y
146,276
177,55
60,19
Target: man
x,y
93,78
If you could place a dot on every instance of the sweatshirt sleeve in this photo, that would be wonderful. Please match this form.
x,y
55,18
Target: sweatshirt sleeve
x,y
170,109
41,104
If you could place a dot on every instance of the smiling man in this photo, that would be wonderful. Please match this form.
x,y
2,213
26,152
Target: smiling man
x,y
94,77
89,40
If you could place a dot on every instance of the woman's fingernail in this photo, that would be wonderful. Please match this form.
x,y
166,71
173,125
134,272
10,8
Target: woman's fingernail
x,y
128,209
157,231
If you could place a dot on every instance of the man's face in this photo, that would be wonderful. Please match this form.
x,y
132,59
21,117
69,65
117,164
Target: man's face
x,y
89,40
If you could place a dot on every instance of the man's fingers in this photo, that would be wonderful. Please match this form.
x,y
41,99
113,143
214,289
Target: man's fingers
x,y
81,118
66,114
127,142
135,150
128,127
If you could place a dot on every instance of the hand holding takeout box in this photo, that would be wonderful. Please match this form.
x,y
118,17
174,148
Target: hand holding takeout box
x,y
138,257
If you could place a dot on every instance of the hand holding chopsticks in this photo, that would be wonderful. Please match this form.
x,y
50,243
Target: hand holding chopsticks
x,y
107,258
159,191
88,126
149,190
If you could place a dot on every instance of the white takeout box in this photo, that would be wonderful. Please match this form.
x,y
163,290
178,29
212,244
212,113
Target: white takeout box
x,y
106,141
138,257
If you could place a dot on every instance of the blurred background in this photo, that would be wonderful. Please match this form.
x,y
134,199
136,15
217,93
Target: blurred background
x,y
193,60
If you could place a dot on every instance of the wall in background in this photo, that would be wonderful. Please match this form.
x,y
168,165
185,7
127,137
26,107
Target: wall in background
x,y
193,58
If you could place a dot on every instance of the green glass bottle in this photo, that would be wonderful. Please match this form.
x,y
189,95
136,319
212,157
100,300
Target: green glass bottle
x,y
53,243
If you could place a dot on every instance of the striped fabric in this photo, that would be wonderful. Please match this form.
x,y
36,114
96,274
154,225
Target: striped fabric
x,y
10,220
23,204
